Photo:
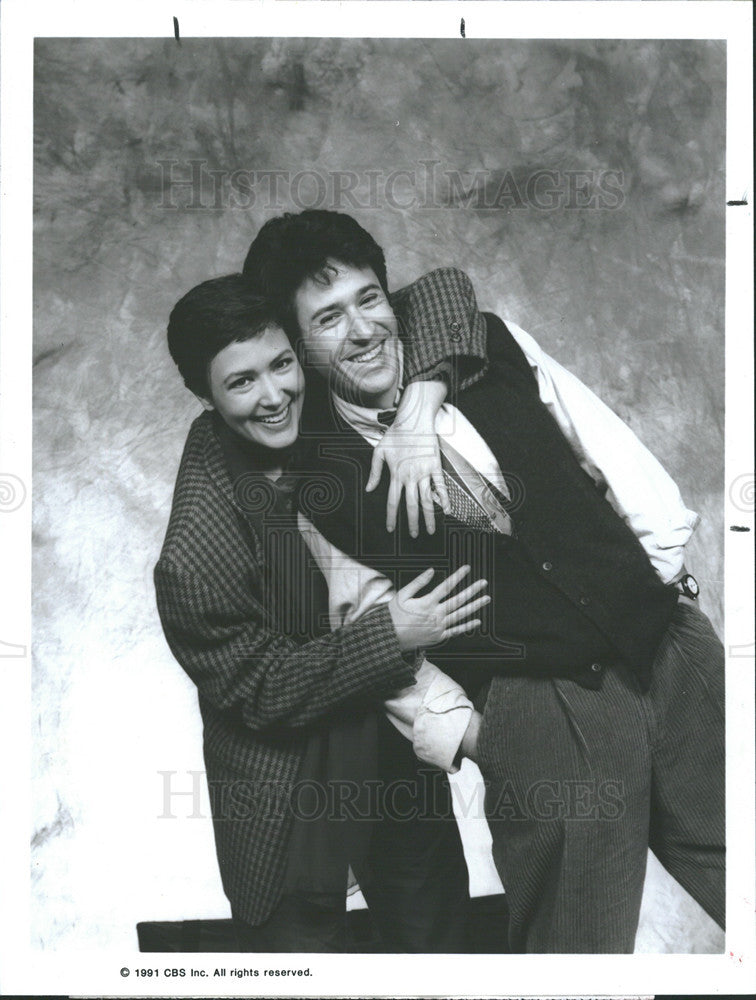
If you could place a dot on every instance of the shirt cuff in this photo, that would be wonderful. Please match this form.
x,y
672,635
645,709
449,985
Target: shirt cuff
x,y
440,372
441,723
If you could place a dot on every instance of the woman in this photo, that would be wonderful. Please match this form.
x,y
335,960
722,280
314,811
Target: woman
x,y
242,608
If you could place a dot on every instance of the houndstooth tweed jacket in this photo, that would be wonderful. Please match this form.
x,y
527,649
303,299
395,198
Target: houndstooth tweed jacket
x,y
259,688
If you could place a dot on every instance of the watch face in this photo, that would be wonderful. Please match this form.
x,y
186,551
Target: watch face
x,y
690,583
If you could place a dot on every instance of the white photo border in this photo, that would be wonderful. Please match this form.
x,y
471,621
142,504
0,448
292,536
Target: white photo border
x,y
98,973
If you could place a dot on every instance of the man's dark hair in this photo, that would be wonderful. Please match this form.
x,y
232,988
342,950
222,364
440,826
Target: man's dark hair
x,y
211,316
293,247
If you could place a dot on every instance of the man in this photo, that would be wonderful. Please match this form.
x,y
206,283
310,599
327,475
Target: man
x,y
277,691
602,682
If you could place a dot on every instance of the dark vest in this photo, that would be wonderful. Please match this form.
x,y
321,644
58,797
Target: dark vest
x,y
573,592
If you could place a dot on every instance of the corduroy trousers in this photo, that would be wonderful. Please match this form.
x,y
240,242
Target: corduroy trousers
x,y
580,783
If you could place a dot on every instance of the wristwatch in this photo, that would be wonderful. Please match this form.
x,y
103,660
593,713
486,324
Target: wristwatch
x,y
688,585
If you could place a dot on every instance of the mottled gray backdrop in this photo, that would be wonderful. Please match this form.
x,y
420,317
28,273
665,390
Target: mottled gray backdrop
x,y
579,183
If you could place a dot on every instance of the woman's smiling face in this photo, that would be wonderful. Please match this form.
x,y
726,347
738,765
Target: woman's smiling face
x,y
257,387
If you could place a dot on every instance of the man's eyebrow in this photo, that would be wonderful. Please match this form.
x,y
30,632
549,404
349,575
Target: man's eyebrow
x,y
253,371
335,303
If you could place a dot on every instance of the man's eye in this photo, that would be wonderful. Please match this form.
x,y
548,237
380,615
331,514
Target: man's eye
x,y
328,319
283,363
372,298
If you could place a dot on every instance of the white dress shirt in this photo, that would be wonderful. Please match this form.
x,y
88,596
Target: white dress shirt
x,y
435,712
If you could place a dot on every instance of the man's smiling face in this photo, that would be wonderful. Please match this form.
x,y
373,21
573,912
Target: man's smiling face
x,y
350,333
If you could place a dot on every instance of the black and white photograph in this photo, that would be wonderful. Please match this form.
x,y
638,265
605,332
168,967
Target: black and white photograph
x,y
376,476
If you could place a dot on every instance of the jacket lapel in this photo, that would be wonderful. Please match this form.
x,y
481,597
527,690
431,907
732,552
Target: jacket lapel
x,y
215,468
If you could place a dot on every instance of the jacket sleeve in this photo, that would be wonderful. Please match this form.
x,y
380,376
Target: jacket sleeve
x,y
242,666
443,332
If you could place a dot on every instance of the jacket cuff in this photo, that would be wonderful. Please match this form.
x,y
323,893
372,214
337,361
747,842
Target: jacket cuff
x,y
443,331
393,668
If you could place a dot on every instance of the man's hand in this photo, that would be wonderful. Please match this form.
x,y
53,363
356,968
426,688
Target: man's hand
x,y
410,450
469,745
434,617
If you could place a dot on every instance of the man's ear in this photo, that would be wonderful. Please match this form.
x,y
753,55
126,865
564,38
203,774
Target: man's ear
x,y
207,403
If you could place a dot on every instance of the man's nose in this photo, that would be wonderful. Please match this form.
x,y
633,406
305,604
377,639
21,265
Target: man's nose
x,y
360,327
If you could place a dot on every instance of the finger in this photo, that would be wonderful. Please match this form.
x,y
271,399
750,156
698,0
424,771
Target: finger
x,y
457,600
439,485
420,581
376,467
468,609
447,586
413,511
426,501
460,629
392,505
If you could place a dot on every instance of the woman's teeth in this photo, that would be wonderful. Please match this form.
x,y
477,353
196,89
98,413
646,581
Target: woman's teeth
x,y
277,418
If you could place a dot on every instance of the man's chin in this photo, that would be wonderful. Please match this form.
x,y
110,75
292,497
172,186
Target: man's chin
x,y
364,389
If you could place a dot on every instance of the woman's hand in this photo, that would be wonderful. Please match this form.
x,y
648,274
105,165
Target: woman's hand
x,y
410,450
434,617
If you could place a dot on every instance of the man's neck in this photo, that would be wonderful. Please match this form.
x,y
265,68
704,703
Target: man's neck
x,y
387,400
363,419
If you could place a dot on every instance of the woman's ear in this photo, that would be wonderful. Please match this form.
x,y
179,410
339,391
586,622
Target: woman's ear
x,y
207,403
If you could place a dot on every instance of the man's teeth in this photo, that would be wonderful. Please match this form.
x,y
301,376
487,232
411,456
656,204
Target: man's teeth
x,y
277,418
368,355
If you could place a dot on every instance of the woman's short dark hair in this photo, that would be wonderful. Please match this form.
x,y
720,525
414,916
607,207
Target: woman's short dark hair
x,y
293,247
211,316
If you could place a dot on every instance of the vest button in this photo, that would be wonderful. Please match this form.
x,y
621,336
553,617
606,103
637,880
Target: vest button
x,y
455,326
547,566
596,668
585,601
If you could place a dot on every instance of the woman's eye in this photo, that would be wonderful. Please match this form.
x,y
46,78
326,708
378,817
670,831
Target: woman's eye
x,y
241,383
328,319
283,363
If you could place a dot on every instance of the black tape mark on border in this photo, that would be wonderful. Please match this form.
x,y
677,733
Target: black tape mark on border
x,y
462,27
738,527
176,30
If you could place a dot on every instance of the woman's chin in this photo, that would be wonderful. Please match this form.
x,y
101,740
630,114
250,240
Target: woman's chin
x,y
277,440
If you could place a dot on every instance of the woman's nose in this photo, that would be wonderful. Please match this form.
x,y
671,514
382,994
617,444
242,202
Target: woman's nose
x,y
271,393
